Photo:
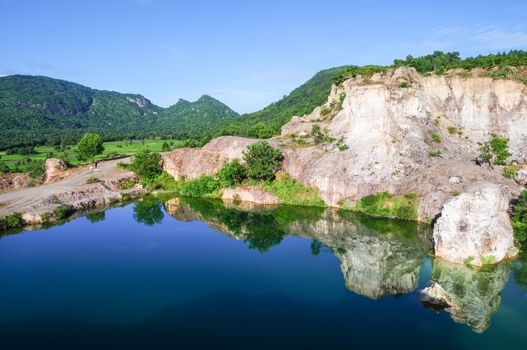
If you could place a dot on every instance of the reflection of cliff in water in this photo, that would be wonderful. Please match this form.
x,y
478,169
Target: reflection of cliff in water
x,y
378,257
471,296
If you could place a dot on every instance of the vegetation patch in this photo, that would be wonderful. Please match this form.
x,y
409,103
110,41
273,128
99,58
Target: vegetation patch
x,y
11,221
93,180
147,165
63,211
203,186
495,151
510,172
434,154
292,192
388,205
519,217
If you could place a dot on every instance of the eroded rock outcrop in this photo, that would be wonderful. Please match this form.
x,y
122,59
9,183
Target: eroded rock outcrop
x,y
401,138
475,227
55,169
13,181
470,296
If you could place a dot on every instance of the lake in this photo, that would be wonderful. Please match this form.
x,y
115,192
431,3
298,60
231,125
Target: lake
x,y
183,273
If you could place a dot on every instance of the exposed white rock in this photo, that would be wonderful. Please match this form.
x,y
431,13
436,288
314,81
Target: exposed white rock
x,y
249,194
475,227
521,177
388,131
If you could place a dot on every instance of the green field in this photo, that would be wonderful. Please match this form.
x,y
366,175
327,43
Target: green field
x,y
111,149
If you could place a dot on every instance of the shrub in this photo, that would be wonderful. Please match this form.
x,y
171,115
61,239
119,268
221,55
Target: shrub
x,y
147,165
165,147
452,130
63,211
434,154
325,111
294,193
35,169
232,174
341,145
93,180
509,172
500,148
319,136
519,217
200,187
436,137
405,84
385,204
262,161
14,220
4,168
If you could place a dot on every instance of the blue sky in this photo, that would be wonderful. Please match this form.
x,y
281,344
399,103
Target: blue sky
x,y
245,53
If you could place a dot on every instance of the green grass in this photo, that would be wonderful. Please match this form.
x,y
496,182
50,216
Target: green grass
x,y
292,192
111,149
384,204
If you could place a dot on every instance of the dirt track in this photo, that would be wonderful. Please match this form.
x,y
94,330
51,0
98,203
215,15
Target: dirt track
x,y
106,170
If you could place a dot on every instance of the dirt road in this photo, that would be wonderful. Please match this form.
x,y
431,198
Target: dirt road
x,y
106,170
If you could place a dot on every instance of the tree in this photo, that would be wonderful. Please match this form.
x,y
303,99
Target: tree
x,y
89,146
232,174
147,165
262,160
165,147
519,217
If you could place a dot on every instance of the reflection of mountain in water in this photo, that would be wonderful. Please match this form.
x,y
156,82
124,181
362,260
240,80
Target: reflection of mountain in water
x,y
470,296
378,257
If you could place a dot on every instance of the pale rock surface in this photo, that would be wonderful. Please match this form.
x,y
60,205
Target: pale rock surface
x,y
13,181
388,130
521,177
55,169
475,226
249,194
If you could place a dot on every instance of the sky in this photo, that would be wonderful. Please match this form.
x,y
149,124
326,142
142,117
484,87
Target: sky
x,y
244,53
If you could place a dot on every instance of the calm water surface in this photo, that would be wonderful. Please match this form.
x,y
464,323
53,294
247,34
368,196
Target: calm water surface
x,y
193,274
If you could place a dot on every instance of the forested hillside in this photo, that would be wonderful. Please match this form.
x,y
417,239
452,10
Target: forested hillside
x,y
41,110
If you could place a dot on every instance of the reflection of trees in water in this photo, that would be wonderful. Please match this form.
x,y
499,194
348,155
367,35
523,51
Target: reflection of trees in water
x,y
519,268
470,295
379,257
96,217
148,211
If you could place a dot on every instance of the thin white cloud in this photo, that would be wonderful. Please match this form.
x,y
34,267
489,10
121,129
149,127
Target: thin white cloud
x,y
480,36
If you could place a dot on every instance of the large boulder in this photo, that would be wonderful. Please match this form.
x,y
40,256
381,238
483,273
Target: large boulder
x,y
55,169
250,194
475,227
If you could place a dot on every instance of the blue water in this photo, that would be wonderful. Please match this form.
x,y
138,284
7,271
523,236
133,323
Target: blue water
x,y
136,277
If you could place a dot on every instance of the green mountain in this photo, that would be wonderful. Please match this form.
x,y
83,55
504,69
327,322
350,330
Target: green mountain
x,y
302,100
42,110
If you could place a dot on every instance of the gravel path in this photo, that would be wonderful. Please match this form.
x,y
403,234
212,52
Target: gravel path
x,y
106,170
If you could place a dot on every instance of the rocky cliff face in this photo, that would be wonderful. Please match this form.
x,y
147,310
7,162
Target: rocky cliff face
x,y
404,133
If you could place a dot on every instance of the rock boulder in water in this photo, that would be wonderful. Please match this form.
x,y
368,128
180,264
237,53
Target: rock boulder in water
x,y
475,228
